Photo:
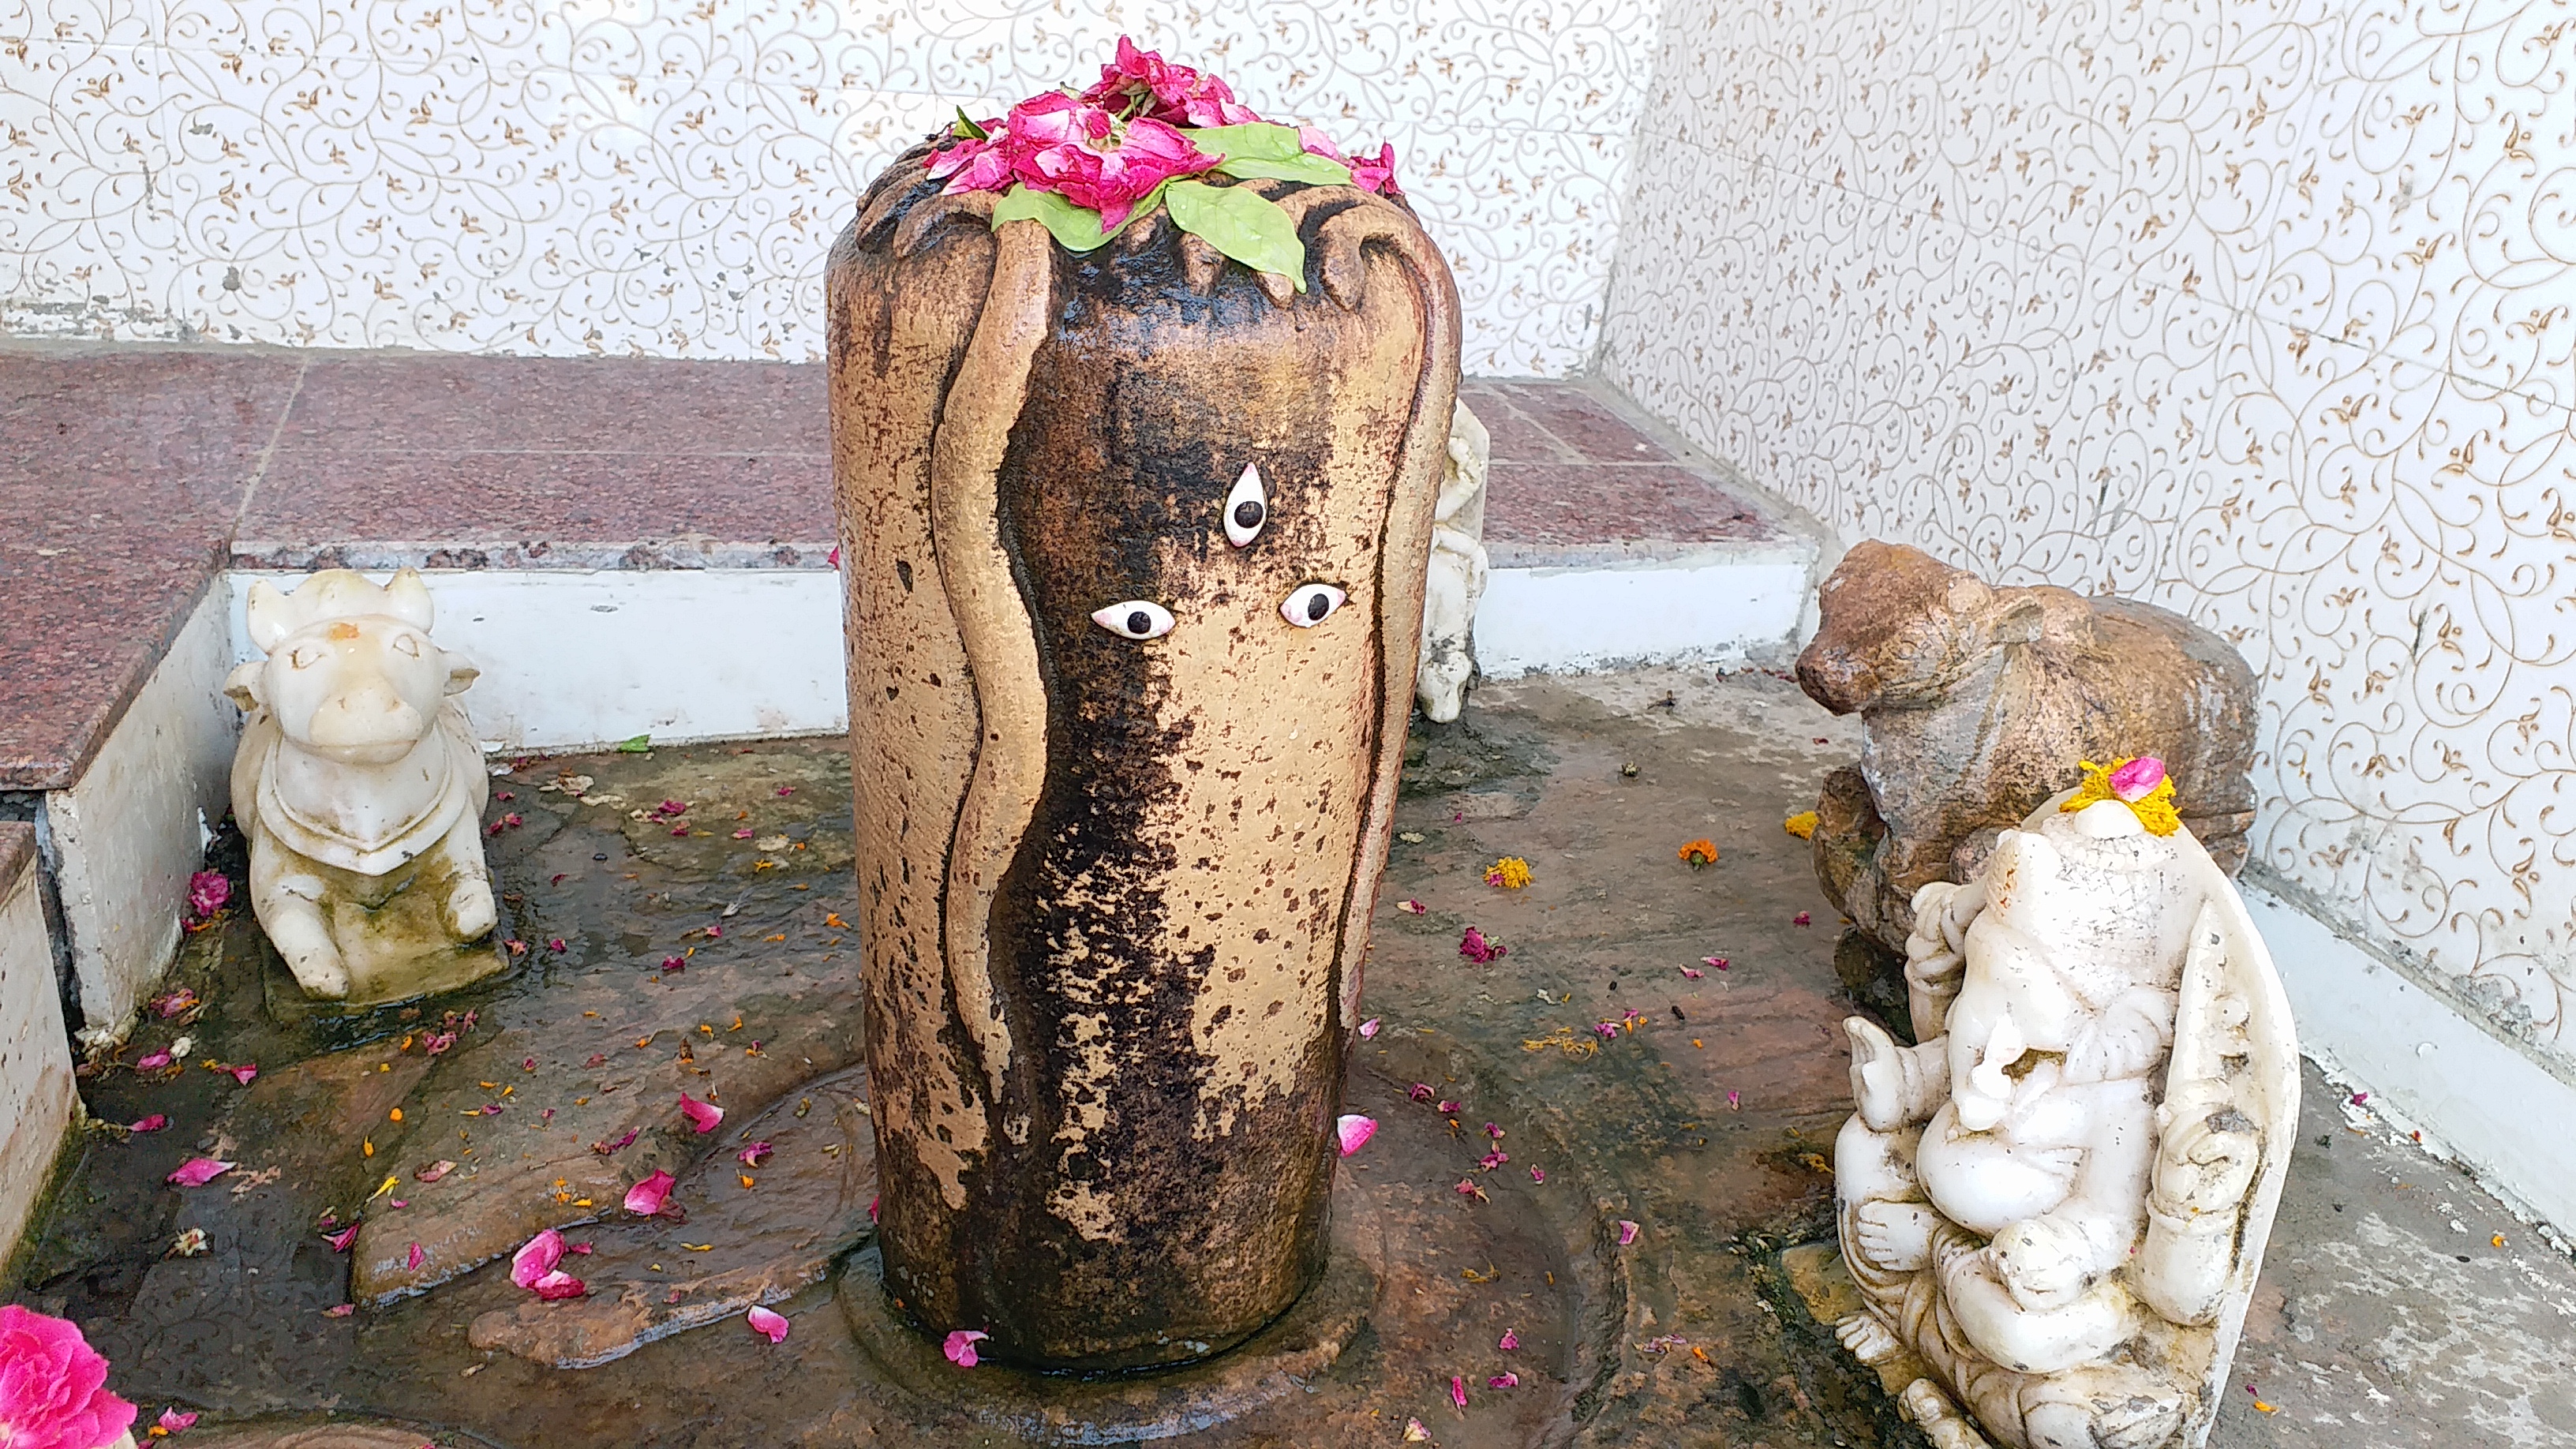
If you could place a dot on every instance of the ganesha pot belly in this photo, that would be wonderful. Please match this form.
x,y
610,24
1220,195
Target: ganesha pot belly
x,y
1136,543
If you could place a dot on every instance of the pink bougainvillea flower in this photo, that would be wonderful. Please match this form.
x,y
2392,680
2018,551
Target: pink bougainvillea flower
x,y
153,1123
606,1149
834,557
1605,1029
960,1346
245,1073
1734,1101
558,1285
648,1196
1692,973
1538,1174
1355,1131
1458,1390
53,1386
208,890
1627,1232
1510,1340
1494,1130
174,1422
1368,1028
339,1310
153,1063
438,1041
1799,919
714,931
1717,961
784,791
341,1240
1445,1108
742,835
1414,1433
1476,948
672,807
170,1003
872,1208
2138,779
675,963
198,1171
1467,1188
1504,1380
1493,1159
557,944
1411,907
536,1258
1376,173
413,1257
2360,1099
1421,1092
1142,82
755,1154
702,1115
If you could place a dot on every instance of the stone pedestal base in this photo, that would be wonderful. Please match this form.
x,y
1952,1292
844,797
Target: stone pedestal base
x,y
1125,1409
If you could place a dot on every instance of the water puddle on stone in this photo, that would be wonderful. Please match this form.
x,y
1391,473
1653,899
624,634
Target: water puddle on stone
x,y
679,927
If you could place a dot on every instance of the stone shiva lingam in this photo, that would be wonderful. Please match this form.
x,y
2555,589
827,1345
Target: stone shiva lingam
x,y
1139,410
360,789
2055,1206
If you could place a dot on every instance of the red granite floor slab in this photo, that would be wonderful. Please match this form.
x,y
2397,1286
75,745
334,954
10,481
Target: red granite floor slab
x,y
542,450
120,474
1576,481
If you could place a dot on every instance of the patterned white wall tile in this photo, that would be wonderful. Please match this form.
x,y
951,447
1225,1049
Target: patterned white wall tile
x,y
664,176
2259,309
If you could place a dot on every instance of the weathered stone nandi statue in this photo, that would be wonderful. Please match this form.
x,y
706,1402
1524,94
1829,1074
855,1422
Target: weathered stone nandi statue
x,y
2055,1205
1978,700
360,789
1457,580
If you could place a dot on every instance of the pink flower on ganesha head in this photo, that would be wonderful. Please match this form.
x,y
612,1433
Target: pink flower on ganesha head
x,y
53,1386
2138,779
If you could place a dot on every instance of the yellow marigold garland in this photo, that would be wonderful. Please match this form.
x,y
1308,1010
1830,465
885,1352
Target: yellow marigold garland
x,y
2154,809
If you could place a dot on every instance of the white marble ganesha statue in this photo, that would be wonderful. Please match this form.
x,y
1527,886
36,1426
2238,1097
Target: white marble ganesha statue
x,y
2055,1205
360,789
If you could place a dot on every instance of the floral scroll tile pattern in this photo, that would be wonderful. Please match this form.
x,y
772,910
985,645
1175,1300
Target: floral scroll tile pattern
x,y
633,178
2259,309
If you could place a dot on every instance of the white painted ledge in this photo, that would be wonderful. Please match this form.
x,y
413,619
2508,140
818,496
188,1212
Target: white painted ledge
x,y
2473,1097
123,840
1744,603
35,1058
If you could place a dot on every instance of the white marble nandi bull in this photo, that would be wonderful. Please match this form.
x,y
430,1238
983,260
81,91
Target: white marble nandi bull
x,y
2055,1206
360,789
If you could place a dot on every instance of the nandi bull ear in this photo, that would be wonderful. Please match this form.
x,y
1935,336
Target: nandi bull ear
x,y
242,685
461,672
407,599
2023,623
271,615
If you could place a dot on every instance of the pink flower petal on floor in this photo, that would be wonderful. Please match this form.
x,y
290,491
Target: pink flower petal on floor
x,y
1511,1339
198,1171
435,1171
675,963
1445,1108
771,1326
414,1258
153,1123
536,1258
1355,1131
1734,1101
872,1208
1504,1380
153,1063
647,1197
755,1154
1368,1028
1627,1232
559,1285
1493,1159
1538,1174
245,1073
1799,919
557,944
1494,1130
1421,1092
341,1240
1458,1390
960,1346
172,1421
1717,961
1411,907
702,1115
339,1310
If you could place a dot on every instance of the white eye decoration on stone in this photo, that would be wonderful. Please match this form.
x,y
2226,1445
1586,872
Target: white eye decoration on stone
x,y
1311,605
1246,508
1135,619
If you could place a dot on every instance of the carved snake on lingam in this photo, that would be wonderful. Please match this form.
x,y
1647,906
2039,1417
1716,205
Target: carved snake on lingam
x,y
1137,542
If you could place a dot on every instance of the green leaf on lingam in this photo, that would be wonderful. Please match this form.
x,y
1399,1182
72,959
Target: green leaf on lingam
x,y
967,128
1075,228
1260,149
1243,224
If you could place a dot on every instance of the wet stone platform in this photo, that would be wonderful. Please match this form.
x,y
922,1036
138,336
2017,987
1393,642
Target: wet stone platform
x,y
679,927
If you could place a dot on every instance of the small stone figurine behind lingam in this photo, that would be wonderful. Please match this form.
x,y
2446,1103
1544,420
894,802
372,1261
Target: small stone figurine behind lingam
x,y
360,789
2055,1205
